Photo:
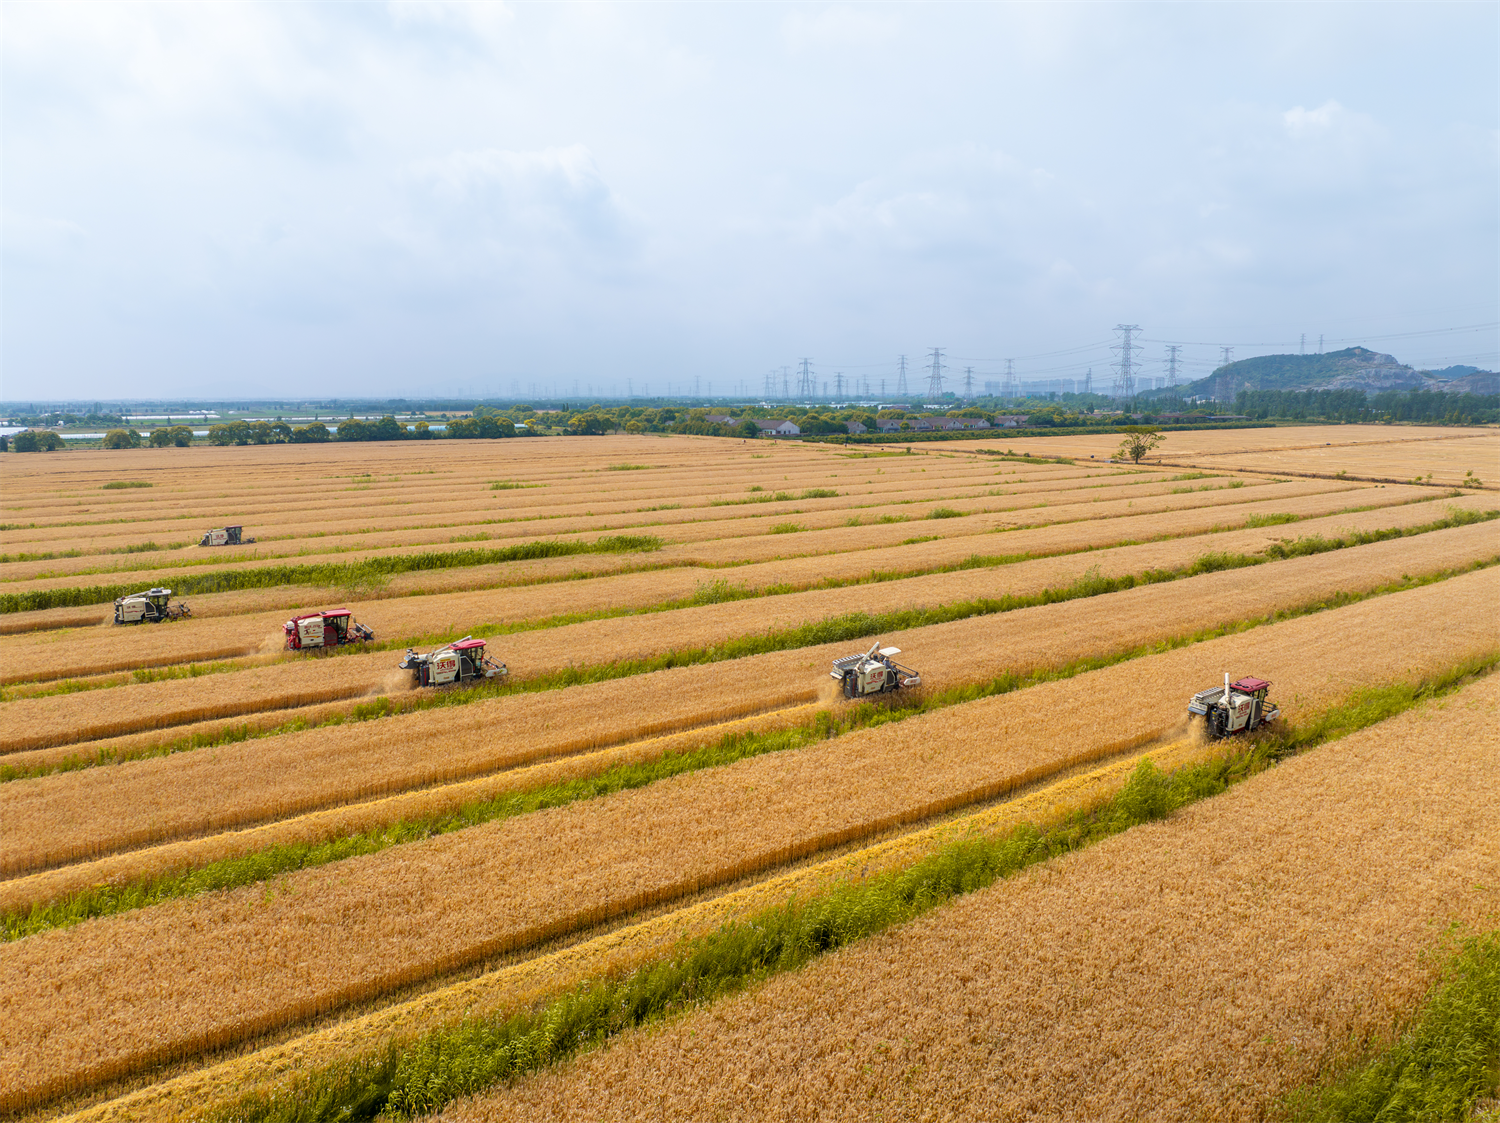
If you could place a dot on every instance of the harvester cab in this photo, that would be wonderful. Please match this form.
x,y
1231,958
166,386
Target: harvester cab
x,y
333,628
1235,707
459,662
225,536
149,607
874,672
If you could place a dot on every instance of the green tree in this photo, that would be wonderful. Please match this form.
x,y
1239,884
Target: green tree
x,y
387,429
281,433
122,438
1139,441
160,437
316,433
747,429
354,430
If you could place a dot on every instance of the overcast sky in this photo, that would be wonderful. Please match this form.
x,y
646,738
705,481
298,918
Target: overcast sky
x,y
415,198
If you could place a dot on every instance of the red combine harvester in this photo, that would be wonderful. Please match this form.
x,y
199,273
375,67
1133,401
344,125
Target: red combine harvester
x,y
333,628
459,662
1235,707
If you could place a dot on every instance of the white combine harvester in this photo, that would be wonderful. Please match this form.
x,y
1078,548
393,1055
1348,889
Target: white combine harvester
x,y
149,607
463,661
874,672
225,536
333,628
1235,707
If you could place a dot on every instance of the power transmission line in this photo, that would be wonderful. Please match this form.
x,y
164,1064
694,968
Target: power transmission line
x,y
805,388
935,379
1172,349
968,382
901,390
1126,383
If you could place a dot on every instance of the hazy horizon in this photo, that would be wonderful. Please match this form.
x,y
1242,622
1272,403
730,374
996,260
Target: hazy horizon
x,y
427,200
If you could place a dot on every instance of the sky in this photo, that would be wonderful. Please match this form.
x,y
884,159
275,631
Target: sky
x,y
417,199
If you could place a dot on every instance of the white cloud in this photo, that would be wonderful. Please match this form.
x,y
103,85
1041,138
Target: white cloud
x,y
555,196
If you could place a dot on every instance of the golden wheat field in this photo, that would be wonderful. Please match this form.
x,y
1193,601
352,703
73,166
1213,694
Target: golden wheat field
x,y
226,867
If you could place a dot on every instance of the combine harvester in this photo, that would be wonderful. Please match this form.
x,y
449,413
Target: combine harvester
x,y
333,628
1235,707
874,672
149,607
226,536
463,661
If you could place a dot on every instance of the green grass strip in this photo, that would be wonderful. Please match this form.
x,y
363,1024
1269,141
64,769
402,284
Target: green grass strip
x,y
420,1075
1446,1060
371,571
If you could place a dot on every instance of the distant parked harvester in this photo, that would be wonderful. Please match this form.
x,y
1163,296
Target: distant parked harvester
x,y
225,536
333,628
874,672
463,661
1235,707
149,607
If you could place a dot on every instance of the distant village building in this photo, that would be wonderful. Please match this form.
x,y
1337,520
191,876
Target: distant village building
x,y
1012,421
856,427
777,427
720,419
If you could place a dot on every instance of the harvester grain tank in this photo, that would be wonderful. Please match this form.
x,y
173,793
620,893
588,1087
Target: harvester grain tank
x,y
149,607
874,672
462,661
332,628
1235,707
225,536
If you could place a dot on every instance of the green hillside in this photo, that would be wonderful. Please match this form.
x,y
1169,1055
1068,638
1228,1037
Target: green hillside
x,y
1289,372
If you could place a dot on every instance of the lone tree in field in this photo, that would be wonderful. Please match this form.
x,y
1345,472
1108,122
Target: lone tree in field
x,y
1139,440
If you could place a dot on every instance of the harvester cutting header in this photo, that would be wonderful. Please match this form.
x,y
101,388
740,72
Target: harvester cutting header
x,y
1236,707
462,661
874,672
333,628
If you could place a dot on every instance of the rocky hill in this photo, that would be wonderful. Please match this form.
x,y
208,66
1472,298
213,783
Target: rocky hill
x,y
1354,368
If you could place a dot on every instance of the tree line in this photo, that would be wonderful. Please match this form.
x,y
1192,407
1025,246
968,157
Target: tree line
x,y
1433,407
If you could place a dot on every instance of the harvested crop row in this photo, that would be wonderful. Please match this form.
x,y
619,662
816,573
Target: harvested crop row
x,y
359,928
612,954
344,819
64,817
754,520
38,658
1195,969
1038,534
400,504
497,522
71,719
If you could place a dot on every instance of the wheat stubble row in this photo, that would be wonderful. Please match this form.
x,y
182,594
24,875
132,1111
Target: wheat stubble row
x,y
322,938
615,951
72,815
1193,969
1037,531
41,655
754,520
369,523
